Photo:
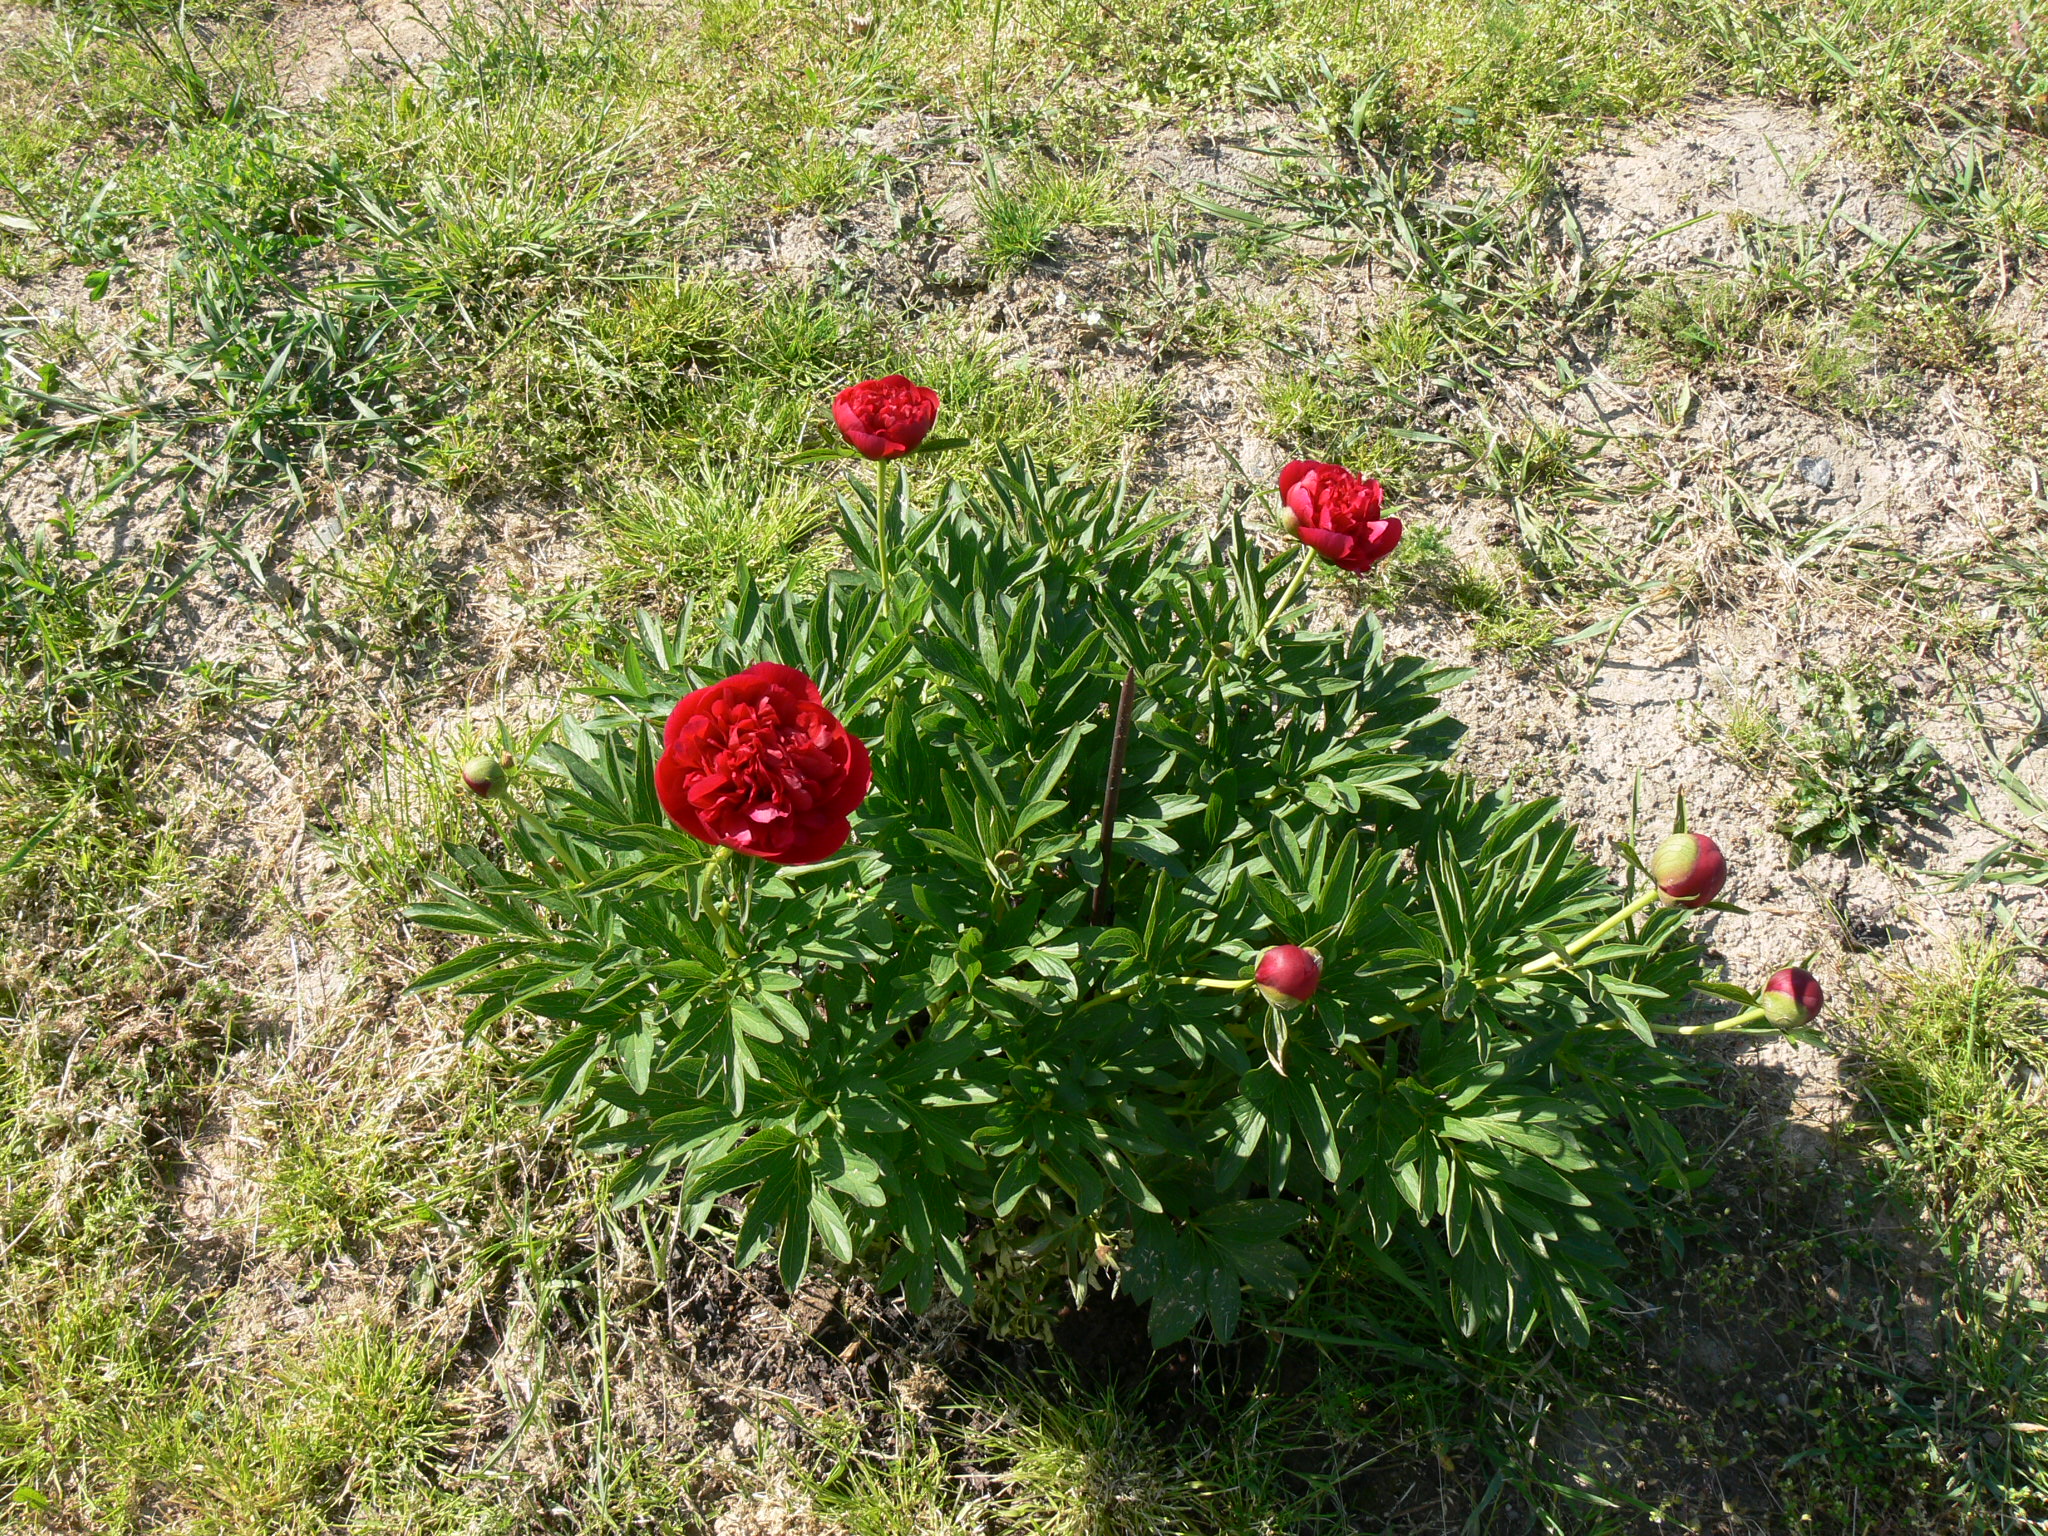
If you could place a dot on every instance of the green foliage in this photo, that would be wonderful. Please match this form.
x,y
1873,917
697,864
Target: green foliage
x,y
1022,213
1952,1056
923,1056
1862,776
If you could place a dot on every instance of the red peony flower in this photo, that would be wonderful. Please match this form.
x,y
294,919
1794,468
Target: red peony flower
x,y
759,764
1288,975
1688,869
1792,998
1337,515
883,418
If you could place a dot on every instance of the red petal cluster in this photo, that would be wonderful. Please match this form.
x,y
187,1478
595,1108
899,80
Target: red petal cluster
x,y
884,418
757,763
1337,515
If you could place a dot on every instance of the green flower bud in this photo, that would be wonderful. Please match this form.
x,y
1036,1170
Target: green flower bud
x,y
485,776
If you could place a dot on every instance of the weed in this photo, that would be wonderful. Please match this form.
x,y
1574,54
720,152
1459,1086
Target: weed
x,y
1862,778
1833,322
374,590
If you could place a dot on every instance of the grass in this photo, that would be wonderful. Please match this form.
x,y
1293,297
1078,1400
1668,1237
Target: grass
x,y
1023,212
279,1251
1952,1062
1833,324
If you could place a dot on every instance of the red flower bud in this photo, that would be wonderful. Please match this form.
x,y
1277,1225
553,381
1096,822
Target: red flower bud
x,y
485,776
1688,869
884,418
1288,975
1337,515
1792,998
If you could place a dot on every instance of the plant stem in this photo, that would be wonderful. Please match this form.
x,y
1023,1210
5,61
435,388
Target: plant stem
x,y
1584,941
1301,566
882,531
1104,912
1735,1026
1115,994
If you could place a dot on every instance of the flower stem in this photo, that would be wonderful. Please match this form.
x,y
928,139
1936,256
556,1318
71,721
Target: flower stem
x,y
1104,911
1301,565
1117,994
882,530
1735,1026
1585,940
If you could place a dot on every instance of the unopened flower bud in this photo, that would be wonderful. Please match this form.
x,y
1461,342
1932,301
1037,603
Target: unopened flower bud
x,y
1288,975
485,775
1688,869
1792,998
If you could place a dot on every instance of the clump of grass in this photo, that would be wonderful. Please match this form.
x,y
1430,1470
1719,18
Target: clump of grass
x,y
1514,629
1070,1460
1401,349
357,1160
691,535
1023,212
1081,1464
1954,1060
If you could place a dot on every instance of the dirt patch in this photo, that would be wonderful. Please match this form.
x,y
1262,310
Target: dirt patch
x,y
319,45
1719,165
22,25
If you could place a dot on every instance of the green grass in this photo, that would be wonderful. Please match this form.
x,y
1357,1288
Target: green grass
x,y
1024,210
1953,1057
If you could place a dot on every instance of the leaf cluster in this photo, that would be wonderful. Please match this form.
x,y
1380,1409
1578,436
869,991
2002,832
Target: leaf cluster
x,y
1862,776
930,1057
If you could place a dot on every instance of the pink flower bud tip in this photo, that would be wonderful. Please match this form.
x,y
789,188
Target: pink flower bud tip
x,y
485,775
1288,975
1792,998
1688,869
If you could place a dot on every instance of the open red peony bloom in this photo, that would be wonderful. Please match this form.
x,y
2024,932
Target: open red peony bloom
x,y
1337,515
883,418
759,764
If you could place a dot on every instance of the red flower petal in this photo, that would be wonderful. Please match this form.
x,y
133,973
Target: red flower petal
x,y
884,418
757,763
1333,546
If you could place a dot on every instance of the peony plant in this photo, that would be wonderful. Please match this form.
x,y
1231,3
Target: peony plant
x,y
1047,900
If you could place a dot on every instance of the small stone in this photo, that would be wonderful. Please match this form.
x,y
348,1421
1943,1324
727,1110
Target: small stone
x,y
745,1436
1818,473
